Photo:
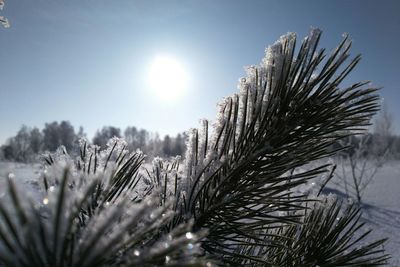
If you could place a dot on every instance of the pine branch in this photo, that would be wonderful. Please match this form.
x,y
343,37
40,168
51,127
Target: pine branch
x,y
286,115
329,236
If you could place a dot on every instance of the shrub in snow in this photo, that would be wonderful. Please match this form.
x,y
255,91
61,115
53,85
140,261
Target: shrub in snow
x,y
362,157
234,200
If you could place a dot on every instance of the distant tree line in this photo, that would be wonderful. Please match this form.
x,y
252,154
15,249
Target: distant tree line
x,y
29,143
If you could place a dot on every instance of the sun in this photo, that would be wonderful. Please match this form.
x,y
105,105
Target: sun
x,y
167,78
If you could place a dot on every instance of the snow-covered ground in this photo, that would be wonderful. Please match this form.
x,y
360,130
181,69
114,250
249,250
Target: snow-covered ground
x,y
380,206
381,209
26,176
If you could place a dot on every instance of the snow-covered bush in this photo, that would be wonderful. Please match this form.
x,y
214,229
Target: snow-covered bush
x,y
234,199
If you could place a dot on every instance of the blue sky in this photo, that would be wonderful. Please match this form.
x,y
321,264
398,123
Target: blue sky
x,y
86,60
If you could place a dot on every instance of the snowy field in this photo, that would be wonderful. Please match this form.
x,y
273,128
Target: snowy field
x,y
381,210
25,175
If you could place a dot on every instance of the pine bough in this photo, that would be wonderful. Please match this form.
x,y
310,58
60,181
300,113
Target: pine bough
x,y
233,200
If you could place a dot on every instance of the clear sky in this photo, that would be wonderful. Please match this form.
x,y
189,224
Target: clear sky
x,y
87,61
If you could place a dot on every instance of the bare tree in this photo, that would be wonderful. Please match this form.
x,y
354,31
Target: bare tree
x,y
363,156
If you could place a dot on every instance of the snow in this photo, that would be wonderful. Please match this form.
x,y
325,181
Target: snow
x,y
381,210
26,176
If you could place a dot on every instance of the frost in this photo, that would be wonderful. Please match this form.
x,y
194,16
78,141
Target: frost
x,y
263,76
189,235
45,201
203,137
191,151
4,21
167,259
312,38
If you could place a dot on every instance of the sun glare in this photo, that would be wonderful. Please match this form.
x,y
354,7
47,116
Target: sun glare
x,y
167,78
